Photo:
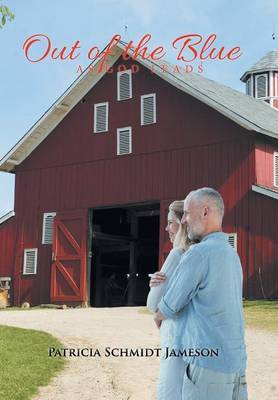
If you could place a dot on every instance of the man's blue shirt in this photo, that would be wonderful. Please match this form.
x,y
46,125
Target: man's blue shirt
x,y
204,297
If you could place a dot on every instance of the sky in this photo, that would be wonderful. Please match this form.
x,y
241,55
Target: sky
x,y
28,89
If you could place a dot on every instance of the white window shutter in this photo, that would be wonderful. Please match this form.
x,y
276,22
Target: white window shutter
x,y
124,145
124,85
232,239
148,109
48,228
30,261
275,169
261,86
248,87
101,117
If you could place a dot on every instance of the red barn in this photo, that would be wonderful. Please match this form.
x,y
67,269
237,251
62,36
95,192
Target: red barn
x,y
95,176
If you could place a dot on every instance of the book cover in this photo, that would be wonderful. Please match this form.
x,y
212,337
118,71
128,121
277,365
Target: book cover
x,y
111,111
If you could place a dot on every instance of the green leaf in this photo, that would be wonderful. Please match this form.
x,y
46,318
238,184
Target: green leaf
x,y
5,14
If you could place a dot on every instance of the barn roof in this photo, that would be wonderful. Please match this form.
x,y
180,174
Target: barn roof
x,y
269,62
246,111
6,216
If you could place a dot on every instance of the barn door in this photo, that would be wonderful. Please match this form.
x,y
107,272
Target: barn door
x,y
69,259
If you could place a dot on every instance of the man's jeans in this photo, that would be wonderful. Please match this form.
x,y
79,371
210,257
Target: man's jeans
x,y
205,384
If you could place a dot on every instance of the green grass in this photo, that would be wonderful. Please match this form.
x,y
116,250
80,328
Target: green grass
x,y
261,314
25,364
144,310
21,309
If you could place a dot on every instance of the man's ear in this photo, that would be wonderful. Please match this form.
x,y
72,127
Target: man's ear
x,y
205,211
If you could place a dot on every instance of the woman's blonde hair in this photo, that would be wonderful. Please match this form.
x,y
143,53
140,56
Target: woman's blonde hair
x,y
175,213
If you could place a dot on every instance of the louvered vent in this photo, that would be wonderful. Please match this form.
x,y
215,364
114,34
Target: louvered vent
x,y
261,86
124,85
30,261
123,141
275,172
48,228
148,109
101,117
248,87
232,239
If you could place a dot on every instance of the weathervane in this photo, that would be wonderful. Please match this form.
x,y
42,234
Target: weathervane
x,y
125,31
274,34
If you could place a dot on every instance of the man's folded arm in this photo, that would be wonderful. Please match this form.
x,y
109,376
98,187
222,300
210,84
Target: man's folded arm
x,y
184,284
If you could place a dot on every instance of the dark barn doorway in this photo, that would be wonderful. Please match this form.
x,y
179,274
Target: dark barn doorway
x,y
125,249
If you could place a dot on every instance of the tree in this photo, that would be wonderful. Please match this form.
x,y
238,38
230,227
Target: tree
x,y
5,14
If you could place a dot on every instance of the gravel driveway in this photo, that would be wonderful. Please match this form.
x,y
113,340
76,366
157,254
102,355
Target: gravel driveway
x,y
121,378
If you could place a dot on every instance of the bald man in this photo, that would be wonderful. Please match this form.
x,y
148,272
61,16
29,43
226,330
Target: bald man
x,y
204,297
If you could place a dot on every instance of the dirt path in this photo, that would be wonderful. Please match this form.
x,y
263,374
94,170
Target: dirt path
x,y
123,378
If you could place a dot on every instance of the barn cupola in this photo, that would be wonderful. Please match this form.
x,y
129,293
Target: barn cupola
x,y
261,79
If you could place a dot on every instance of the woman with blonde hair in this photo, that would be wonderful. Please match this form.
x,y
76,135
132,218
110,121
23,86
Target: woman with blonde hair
x,y
171,368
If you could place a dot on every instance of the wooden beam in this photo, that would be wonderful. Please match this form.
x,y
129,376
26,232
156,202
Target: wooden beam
x,y
98,281
132,261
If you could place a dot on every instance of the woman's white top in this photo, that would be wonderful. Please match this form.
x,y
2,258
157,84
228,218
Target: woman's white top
x,y
157,292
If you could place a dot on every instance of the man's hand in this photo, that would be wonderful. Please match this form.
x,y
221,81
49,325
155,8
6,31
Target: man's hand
x,y
158,318
157,278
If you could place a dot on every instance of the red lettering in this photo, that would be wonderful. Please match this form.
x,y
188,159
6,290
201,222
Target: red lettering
x,y
176,70
234,51
213,53
108,50
200,69
121,67
128,47
46,45
208,43
157,51
186,41
62,54
134,68
73,56
37,38
208,49
79,69
140,49
91,51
